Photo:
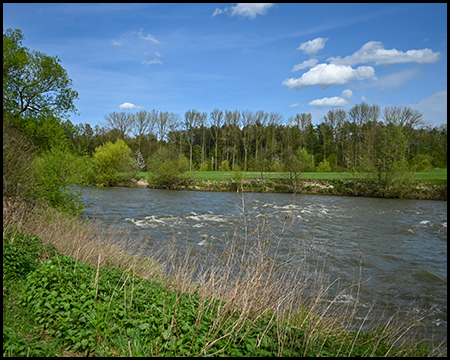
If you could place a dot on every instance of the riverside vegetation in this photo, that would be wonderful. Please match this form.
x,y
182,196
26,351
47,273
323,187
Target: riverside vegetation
x,y
431,185
72,287
68,290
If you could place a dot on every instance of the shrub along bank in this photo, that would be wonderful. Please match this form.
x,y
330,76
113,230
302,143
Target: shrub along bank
x,y
424,186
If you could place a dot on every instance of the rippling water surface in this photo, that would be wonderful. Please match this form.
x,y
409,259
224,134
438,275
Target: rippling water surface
x,y
402,243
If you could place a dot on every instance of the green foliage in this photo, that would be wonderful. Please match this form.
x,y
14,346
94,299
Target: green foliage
x,y
291,162
224,166
167,169
324,166
45,130
305,159
22,254
36,93
276,167
332,160
34,83
205,166
238,174
54,170
393,172
111,159
16,262
422,163
17,157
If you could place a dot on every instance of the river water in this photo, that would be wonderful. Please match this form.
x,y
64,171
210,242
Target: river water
x,y
401,244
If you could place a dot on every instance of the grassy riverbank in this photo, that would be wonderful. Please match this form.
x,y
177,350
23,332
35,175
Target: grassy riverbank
x,y
71,288
430,185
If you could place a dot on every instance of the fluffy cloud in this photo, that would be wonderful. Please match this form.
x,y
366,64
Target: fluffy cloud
x,y
313,46
347,94
151,62
219,11
294,105
326,75
129,106
305,64
374,51
245,9
334,101
149,37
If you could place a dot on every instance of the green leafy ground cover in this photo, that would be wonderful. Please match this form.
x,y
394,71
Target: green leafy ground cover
x,y
56,306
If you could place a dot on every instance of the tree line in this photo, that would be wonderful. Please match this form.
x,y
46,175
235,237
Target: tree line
x,y
263,141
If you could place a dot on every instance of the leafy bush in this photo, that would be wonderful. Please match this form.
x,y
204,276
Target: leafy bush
x,y
54,170
205,166
306,160
167,169
113,163
224,166
422,163
16,262
22,254
324,166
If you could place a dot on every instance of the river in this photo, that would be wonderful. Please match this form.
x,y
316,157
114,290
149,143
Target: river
x,y
401,244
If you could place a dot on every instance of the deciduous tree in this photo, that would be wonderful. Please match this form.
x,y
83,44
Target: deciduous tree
x,y
33,82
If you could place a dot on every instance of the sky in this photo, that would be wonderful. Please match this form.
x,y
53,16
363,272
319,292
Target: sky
x,y
286,58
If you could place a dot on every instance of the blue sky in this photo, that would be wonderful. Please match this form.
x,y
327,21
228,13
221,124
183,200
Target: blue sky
x,y
288,58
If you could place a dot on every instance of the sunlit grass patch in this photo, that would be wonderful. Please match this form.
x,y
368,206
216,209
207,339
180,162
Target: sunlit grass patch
x,y
437,175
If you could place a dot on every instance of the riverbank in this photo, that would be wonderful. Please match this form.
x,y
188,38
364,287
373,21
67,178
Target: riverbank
x,y
64,295
420,190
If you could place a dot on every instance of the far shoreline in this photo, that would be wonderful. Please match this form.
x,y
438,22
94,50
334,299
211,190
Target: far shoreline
x,y
421,190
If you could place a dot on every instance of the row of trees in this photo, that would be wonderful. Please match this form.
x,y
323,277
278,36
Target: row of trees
x,y
261,141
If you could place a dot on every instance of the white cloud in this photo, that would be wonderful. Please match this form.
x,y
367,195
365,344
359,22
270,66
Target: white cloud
x,y
334,101
250,9
294,105
373,51
151,62
313,46
158,54
245,9
149,37
115,43
326,75
347,94
218,11
129,106
305,64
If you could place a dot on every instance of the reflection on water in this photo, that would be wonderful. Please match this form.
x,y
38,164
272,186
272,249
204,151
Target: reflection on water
x,y
401,244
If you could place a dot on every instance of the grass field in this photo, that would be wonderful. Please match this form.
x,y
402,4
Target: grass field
x,y
437,175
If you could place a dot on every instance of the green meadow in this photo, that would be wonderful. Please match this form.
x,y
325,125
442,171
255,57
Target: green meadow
x,y
437,175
